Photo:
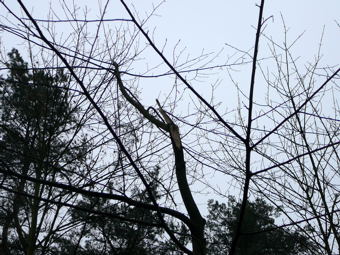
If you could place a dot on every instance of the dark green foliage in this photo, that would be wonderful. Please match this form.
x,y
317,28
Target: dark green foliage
x,y
142,235
120,237
37,121
255,240
35,117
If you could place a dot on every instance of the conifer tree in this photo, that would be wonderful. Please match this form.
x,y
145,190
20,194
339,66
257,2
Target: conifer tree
x,y
37,120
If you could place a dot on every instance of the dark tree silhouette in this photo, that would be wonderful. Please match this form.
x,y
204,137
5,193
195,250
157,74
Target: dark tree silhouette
x,y
133,230
36,121
259,234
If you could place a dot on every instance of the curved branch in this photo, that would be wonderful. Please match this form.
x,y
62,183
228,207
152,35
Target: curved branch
x,y
197,221
135,103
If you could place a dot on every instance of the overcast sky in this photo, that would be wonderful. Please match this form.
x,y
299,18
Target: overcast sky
x,y
210,24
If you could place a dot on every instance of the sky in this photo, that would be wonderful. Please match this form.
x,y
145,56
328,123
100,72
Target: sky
x,y
210,25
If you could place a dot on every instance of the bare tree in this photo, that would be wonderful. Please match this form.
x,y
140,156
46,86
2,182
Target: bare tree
x,y
282,146
310,139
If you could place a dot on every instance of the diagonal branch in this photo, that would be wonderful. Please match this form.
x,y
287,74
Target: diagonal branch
x,y
298,108
80,208
135,103
173,69
74,189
